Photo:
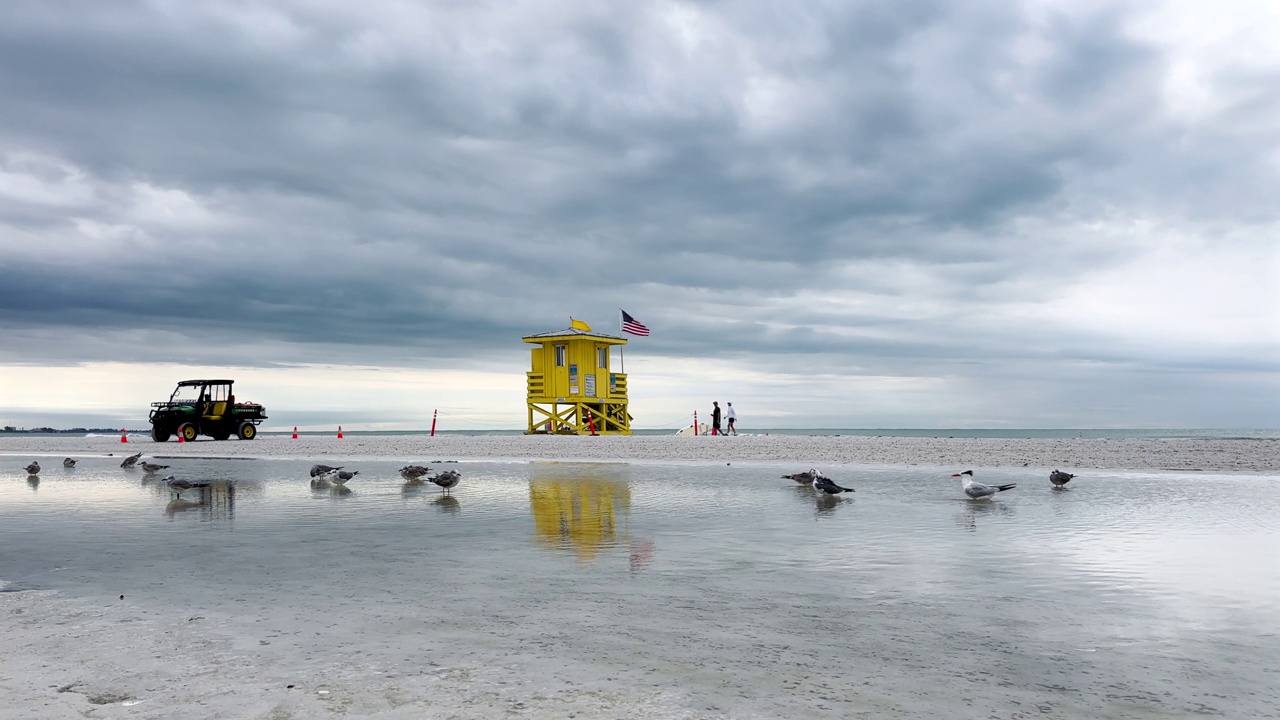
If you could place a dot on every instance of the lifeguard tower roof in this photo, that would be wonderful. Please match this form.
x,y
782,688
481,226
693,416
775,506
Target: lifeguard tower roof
x,y
574,332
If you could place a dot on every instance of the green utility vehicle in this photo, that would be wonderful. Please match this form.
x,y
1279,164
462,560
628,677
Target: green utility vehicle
x,y
205,407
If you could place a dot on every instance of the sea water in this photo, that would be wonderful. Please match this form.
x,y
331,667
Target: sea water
x,y
706,590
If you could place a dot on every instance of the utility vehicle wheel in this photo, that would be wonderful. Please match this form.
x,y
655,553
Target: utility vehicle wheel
x,y
222,435
159,434
248,430
187,431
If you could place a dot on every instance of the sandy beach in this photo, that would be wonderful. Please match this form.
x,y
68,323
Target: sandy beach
x,y
1261,456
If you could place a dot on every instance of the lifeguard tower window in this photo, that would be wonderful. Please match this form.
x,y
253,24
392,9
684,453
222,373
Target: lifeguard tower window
x,y
602,357
560,356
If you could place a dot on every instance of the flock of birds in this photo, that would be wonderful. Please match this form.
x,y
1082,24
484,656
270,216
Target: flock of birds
x,y
322,476
325,476
973,489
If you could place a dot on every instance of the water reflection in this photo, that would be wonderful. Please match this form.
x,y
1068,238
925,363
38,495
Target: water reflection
x,y
827,503
34,482
579,513
974,509
216,502
447,504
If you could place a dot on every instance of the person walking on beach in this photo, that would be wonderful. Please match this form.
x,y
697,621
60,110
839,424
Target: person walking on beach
x,y
715,418
730,418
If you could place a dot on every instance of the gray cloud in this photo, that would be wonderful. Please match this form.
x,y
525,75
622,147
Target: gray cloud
x,y
872,189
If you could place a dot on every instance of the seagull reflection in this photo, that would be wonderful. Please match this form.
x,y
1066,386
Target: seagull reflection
x,y
34,482
447,504
340,491
179,505
968,517
826,503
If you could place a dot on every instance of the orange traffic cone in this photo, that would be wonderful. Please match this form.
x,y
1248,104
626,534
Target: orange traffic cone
x,y
123,437
339,432
181,436
295,432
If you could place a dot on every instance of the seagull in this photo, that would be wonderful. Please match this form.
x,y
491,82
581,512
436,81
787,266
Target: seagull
x,y
149,467
414,472
978,491
179,485
130,461
34,468
68,463
343,476
1059,478
446,479
825,485
804,478
318,470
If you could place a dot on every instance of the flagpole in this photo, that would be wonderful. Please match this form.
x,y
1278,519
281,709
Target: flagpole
x,y
622,349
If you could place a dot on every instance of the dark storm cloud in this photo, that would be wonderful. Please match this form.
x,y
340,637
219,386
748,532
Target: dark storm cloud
x,y
416,184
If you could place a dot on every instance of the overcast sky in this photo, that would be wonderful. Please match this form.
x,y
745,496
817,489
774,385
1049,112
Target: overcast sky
x,y
901,213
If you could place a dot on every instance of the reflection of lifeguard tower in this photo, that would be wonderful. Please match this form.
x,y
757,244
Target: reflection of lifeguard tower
x,y
571,386
579,514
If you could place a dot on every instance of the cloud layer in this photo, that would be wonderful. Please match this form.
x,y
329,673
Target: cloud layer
x,y
907,213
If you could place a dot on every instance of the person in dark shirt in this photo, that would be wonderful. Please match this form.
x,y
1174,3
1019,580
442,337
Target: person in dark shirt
x,y
715,418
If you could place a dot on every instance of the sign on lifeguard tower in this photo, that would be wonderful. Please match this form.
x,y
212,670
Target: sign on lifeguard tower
x,y
572,389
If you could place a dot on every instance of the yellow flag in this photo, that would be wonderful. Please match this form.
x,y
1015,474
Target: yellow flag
x,y
579,325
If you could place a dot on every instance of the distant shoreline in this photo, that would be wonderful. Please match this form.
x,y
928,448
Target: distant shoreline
x,y
803,451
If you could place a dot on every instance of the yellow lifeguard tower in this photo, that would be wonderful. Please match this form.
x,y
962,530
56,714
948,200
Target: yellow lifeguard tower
x,y
571,385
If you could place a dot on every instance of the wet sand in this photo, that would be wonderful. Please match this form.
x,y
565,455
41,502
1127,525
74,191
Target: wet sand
x,y
367,653
1259,456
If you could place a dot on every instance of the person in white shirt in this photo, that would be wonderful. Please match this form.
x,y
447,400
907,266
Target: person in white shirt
x,y
731,417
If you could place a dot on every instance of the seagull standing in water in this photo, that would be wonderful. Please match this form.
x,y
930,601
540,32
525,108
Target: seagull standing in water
x,y
68,463
1059,478
150,468
131,461
33,468
804,478
447,479
414,472
825,485
318,470
179,485
978,491
340,477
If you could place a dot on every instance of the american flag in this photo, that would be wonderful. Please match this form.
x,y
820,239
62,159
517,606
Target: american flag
x,y
632,325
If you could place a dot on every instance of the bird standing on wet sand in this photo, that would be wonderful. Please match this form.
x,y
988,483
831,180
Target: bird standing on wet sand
x,y
318,470
33,468
978,491
149,467
447,479
131,461
827,486
1059,478
68,463
414,472
804,478
340,477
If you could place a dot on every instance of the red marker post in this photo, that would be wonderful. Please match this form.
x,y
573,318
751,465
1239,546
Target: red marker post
x,y
434,413
124,437
695,422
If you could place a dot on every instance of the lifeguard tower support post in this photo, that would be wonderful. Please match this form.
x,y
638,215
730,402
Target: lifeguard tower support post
x,y
570,377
